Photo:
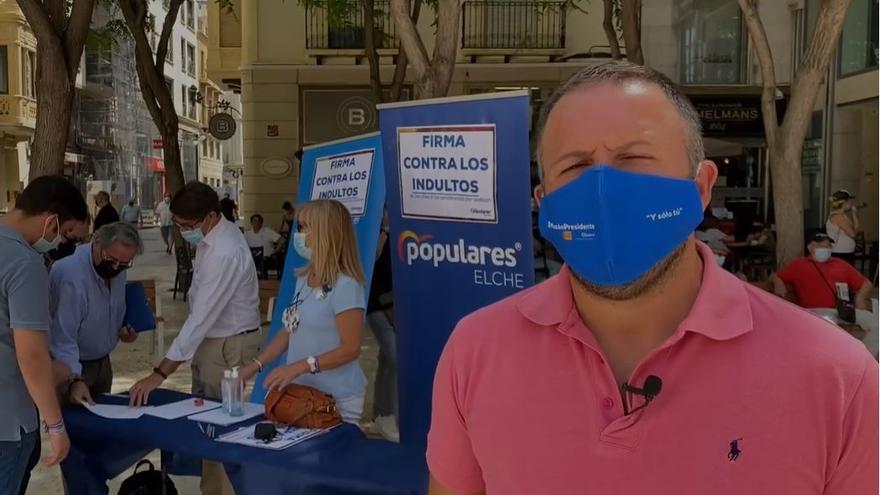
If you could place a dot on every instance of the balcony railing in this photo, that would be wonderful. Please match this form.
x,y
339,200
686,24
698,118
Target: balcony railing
x,y
513,25
18,109
346,32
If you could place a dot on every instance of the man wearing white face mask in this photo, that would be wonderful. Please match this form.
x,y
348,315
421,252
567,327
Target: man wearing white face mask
x,y
223,327
814,279
46,211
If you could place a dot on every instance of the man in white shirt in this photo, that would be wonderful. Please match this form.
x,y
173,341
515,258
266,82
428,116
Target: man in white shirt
x,y
166,221
223,326
260,236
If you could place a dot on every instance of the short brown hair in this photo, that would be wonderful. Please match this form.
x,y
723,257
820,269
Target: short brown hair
x,y
620,71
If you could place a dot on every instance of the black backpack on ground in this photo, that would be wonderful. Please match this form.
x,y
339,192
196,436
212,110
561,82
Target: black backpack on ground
x,y
147,482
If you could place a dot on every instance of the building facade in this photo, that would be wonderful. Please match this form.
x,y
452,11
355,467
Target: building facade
x,y
111,134
209,99
850,105
303,79
114,140
182,77
18,104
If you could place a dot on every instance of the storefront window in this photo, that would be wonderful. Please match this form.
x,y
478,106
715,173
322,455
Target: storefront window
x,y
711,42
858,43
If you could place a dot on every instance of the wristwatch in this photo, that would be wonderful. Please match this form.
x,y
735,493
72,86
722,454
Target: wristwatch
x,y
314,367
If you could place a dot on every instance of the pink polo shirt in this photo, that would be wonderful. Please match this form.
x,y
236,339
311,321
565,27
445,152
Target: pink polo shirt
x,y
524,402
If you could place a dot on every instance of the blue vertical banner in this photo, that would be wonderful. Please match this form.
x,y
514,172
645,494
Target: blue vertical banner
x,y
350,171
459,209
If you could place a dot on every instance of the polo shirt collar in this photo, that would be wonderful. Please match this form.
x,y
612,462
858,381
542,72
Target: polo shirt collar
x,y
721,311
13,235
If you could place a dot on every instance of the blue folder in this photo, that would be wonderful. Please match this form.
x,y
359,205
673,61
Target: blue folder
x,y
138,314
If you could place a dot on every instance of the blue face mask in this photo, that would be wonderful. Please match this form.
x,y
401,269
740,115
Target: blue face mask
x,y
611,227
299,244
193,236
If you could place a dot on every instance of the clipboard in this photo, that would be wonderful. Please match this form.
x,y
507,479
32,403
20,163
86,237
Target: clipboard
x,y
138,314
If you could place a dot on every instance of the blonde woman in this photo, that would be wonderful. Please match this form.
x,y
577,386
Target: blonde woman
x,y
323,321
843,226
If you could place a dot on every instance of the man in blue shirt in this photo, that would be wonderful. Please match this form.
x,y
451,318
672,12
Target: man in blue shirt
x,y
87,303
45,212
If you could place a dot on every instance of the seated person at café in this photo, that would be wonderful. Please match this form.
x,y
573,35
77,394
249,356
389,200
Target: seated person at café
x,y
709,233
761,237
260,236
814,278
87,305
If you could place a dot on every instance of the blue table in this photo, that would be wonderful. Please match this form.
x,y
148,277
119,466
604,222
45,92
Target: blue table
x,y
342,461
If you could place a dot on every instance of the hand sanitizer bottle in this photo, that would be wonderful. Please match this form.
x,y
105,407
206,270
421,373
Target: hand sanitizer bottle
x,y
233,393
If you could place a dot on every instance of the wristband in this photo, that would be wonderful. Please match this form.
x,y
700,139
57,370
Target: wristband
x,y
161,373
54,429
259,364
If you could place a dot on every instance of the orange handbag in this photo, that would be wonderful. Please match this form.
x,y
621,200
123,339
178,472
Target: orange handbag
x,y
302,406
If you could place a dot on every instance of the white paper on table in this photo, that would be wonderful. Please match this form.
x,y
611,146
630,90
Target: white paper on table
x,y
287,437
220,417
111,411
181,408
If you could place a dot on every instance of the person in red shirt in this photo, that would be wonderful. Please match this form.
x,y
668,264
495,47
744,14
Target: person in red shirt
x,y
814,278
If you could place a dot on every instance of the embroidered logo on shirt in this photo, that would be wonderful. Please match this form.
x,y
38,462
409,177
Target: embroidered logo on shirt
x,y
734,450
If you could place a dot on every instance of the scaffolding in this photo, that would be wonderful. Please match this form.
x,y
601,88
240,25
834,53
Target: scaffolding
x,y
112,127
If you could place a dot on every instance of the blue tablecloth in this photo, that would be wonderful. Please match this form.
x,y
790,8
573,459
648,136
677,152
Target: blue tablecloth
x,y
341,461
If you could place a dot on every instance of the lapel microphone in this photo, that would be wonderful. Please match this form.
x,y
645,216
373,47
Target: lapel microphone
x,y
650,389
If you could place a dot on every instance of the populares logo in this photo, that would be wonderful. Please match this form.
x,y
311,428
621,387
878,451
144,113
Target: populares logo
x,y
411,236
412,247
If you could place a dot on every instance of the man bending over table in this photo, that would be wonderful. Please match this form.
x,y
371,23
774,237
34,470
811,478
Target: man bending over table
x,y
223,326
87,302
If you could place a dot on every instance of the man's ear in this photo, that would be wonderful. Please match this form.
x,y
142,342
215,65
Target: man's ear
x,y
707,174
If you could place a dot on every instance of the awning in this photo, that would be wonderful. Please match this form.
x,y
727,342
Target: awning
x,y
157,164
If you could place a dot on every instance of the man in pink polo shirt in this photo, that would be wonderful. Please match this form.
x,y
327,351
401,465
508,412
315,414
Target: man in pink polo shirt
x,y
643,367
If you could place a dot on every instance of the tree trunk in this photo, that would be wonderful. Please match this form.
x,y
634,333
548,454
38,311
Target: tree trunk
x,y
423,88
399,77
785,142
174,179
371,50
432,77
446,43
785,167
631,21
402,60
610,31
61,35
151,76
54,106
